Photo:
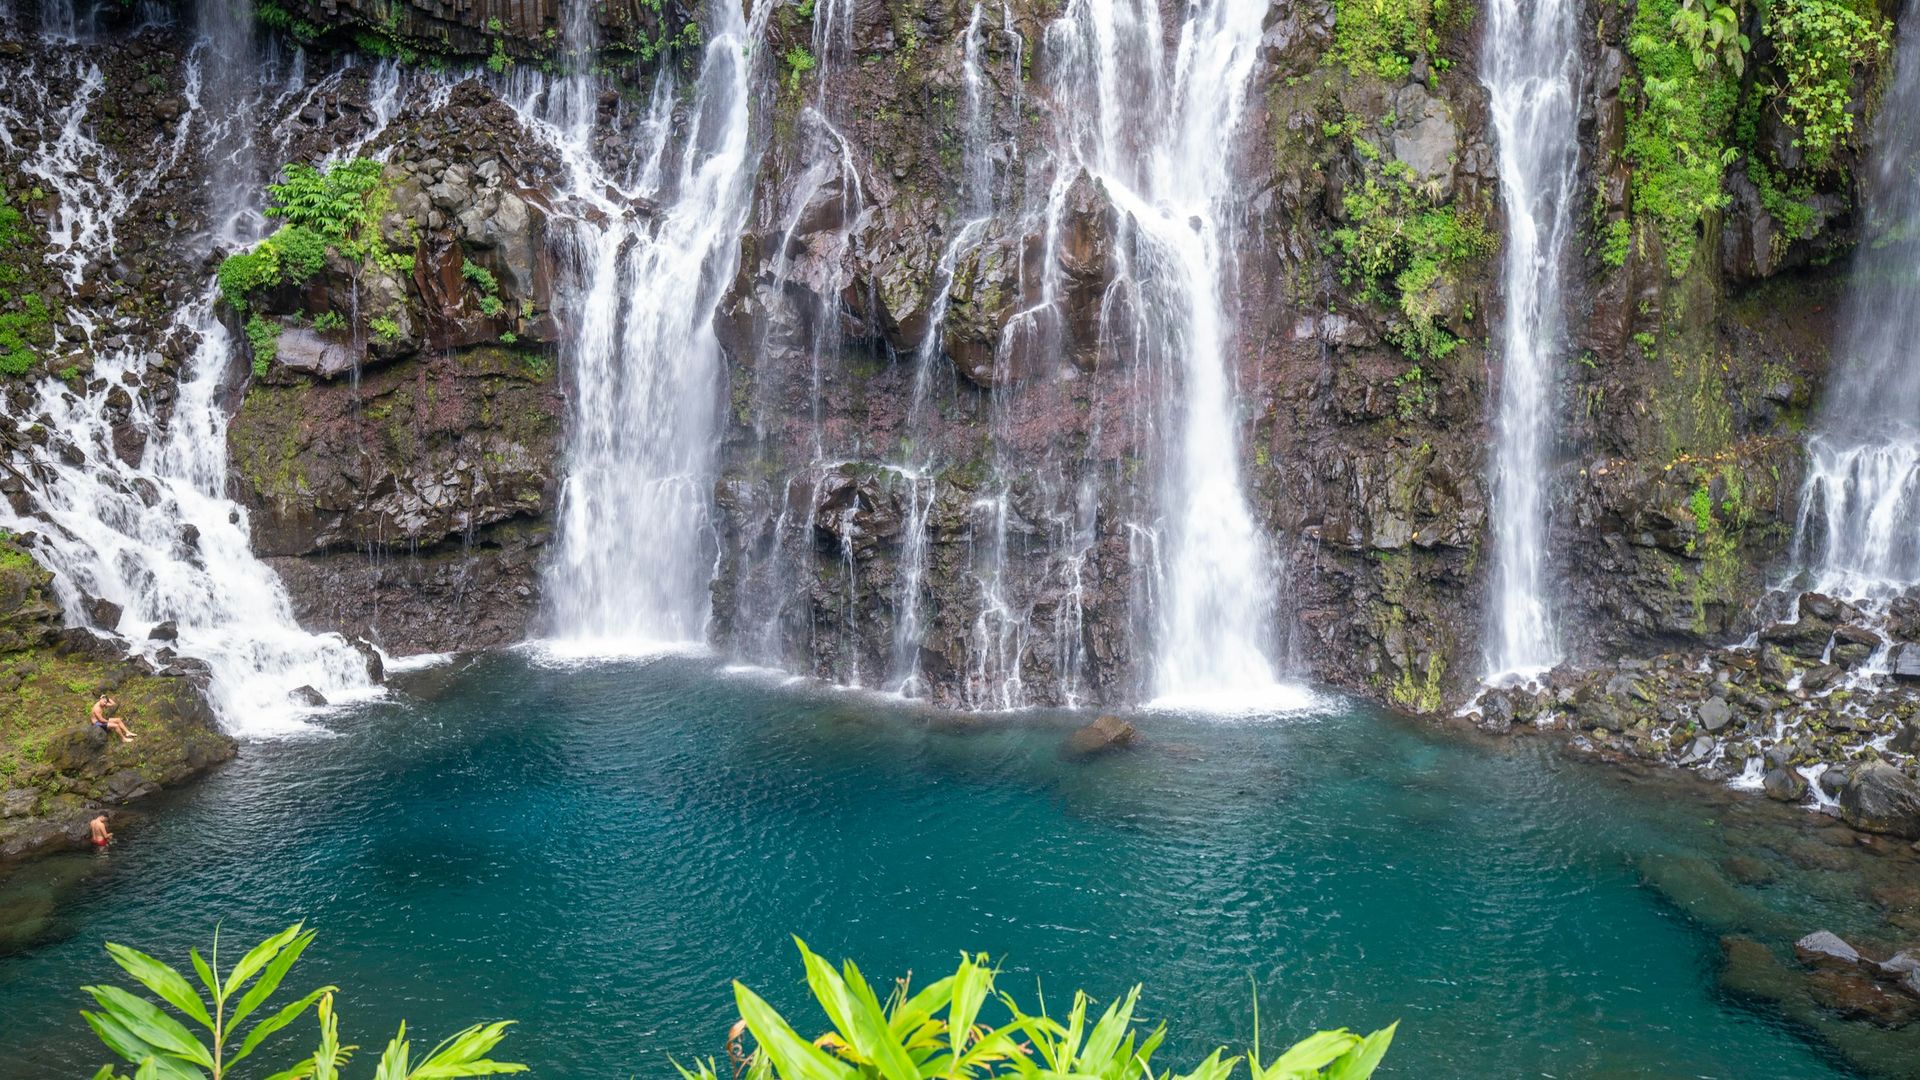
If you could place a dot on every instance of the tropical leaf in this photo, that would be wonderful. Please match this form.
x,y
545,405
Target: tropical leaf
x,y
172,986
793,1057
270,979
145,1021
257,958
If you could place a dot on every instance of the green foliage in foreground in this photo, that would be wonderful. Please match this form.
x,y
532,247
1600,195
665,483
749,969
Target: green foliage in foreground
x,y
161,1047
943,1030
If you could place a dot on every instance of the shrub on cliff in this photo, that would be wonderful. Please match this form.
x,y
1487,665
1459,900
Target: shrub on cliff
x,y
334,209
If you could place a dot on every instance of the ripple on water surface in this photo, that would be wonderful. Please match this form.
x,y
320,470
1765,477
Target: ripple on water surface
x,y
597,849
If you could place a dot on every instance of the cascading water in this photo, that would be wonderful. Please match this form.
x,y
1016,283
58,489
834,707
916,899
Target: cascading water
x,y
151,531
1151,136
978,196
1859,528
1530,65
636,551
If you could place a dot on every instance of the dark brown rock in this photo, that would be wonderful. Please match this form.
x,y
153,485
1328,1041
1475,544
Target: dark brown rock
x,y
1104,734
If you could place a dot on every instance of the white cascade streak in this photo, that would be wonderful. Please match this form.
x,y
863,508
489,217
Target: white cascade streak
x,y
1859,527
159,538
1155,137
636,551
1530,66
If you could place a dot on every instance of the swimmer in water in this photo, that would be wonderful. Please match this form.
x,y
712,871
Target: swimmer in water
x,y
97,831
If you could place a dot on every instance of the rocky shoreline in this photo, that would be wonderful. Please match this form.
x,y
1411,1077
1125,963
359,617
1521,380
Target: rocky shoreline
x,y
58,771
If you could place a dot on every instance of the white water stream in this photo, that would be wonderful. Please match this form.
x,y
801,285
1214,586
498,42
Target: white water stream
x,y
1859,527
636,551
158,537
1530,65
1154,131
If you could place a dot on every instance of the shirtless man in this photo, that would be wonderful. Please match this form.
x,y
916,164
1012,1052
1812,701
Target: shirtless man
x,y
97,831
110,723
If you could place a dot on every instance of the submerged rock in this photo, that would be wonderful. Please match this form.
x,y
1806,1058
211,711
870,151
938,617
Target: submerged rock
x,y
1824,947
1106,733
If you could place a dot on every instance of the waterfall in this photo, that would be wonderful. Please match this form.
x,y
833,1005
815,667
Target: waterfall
x,y
150,529
1529,63
636,551
1859,528
978,196
1153,133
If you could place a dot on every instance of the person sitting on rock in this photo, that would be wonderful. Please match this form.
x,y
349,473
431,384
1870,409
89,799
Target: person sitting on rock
x,y
110,723
97,831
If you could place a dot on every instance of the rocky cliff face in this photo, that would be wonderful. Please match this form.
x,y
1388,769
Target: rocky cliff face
x,y
936,445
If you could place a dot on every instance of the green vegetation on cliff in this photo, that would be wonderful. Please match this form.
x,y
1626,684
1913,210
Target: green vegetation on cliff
x,y
1384,37
1406,249
1822,45
332,210
1676,137
1696,109
26,319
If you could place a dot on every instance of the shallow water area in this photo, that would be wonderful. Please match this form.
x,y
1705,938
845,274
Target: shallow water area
x,y
596,850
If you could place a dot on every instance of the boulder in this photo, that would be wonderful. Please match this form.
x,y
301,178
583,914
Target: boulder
x,y
1905,662
376,667
166,631
308,696
1906,740
1784,784
1853,645
1806,639
1824,948
104,614
1715,713
1876,797
1854,995
1496,711
311,352
1813,605
1105,733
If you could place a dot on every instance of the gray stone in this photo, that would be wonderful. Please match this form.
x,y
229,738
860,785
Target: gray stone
x,y
1715,713
1698,750
1424,137
18,802
1784,784
310,352
1906,662
1876,797
165,631
1823,947
308,696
